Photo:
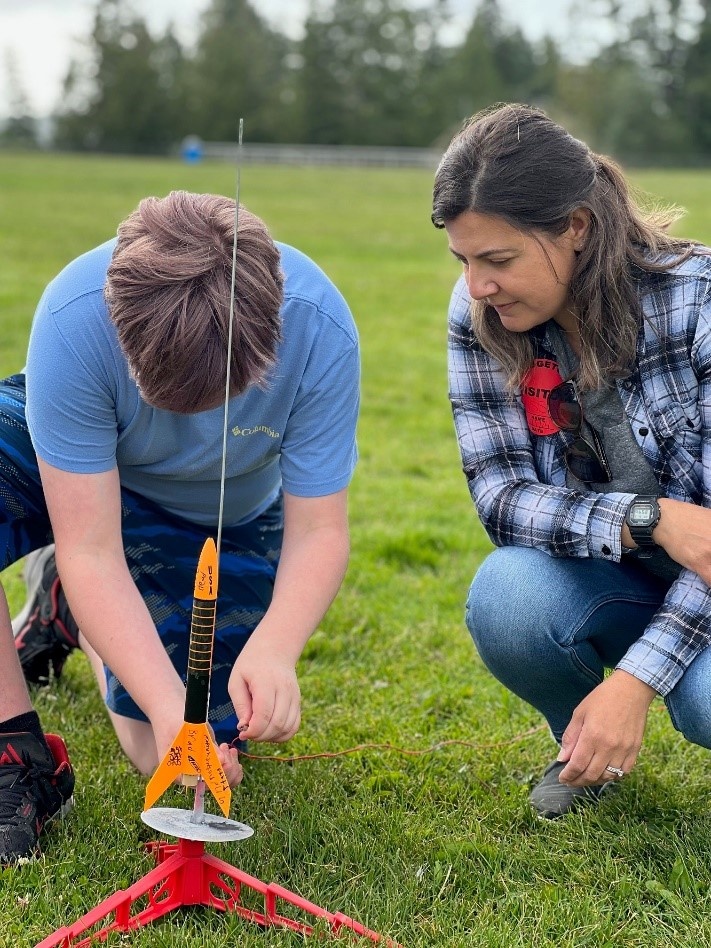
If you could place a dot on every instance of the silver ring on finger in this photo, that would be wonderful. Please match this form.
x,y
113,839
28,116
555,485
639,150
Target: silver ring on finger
x,y
617,771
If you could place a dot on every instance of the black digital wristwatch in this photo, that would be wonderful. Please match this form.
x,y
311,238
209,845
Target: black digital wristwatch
x,y
643,514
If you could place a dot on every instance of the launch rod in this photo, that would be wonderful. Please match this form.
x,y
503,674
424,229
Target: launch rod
x,y
228,374
193,756
197,694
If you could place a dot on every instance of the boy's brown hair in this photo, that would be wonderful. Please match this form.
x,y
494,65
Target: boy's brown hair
x,y
168,292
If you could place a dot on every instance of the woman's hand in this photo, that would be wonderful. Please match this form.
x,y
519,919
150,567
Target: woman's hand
x,y
684,531
606,729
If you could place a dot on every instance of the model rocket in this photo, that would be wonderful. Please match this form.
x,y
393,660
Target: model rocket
x,y
193,753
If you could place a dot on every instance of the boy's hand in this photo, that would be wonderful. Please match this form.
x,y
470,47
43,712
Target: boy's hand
x,y
228,756
265,692
229,759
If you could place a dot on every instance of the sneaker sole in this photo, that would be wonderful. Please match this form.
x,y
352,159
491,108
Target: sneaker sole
x,y
32,576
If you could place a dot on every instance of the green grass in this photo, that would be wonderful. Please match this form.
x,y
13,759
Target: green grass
x,y
435,849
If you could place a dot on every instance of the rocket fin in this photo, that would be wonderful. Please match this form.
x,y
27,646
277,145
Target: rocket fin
x,y
174,764
192,752
203,753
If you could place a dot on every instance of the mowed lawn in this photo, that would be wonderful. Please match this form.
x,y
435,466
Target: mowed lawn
x,y
425,833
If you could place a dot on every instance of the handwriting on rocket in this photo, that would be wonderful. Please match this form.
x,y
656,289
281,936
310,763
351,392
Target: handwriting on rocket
x,y
196,754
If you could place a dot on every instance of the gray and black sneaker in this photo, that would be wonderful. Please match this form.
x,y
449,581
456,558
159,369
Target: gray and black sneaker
x,y
45,631
550,798
36,785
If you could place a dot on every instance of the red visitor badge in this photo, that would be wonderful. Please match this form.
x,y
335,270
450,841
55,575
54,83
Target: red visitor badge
x,y
535,389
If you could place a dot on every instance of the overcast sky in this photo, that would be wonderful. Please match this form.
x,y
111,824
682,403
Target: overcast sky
x,y
41,36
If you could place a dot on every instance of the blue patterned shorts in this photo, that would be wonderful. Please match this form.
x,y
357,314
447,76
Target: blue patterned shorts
x,y
162,552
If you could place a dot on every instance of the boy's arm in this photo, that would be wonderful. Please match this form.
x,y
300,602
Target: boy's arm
x,y
85,510
263,684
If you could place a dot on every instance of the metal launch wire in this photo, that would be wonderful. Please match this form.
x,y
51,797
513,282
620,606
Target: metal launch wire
x,y
233,281
199,800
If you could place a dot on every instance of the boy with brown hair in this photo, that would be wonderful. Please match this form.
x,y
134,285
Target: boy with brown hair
x,y
126,376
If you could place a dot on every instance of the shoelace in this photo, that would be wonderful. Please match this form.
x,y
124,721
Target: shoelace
x,y
18,783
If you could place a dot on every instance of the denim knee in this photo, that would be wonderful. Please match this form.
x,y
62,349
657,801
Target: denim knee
x,y
526,606
498,603
689,703
693,724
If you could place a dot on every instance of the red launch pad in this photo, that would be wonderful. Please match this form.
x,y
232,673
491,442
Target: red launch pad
x,y
185,875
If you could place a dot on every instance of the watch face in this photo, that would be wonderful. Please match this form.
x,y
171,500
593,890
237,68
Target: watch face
x,y
641,514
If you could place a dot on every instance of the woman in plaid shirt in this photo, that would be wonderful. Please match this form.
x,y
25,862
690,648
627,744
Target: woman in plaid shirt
x,y
580,381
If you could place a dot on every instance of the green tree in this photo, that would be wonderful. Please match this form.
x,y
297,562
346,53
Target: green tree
x,y
368,67
608,103
121,99
628,97
20,129
496,63
241,69
635,83
172,71
544,82
320,85
476,78
695,98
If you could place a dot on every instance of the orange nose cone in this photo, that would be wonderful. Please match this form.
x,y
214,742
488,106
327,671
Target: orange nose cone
x,y
206,575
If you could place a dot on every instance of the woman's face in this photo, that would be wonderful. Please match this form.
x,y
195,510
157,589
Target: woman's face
x,y
524,275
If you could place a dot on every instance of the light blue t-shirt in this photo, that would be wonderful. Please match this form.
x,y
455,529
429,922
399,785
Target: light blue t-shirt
x,y
85,413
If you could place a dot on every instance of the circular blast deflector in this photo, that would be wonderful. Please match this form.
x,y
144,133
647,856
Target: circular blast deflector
x,y
211,828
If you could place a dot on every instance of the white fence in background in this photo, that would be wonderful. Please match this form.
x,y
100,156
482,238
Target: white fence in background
x,y
357,155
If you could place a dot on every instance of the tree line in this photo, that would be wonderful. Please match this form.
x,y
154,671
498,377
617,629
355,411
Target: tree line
x,y
378,72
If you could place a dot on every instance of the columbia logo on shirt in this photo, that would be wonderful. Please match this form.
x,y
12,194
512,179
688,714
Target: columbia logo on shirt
x,y
257,429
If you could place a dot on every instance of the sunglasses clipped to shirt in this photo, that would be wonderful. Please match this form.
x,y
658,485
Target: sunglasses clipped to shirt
x,y
584,460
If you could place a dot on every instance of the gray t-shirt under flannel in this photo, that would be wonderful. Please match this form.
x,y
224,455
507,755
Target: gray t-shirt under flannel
x,y
630,472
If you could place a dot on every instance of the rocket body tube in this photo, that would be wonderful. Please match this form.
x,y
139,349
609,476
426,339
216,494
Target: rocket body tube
x,y
202,636
193,751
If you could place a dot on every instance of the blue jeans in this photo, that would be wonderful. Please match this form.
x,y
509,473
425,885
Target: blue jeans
x,y
547,628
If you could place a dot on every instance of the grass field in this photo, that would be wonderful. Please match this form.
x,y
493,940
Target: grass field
x,y
437,846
